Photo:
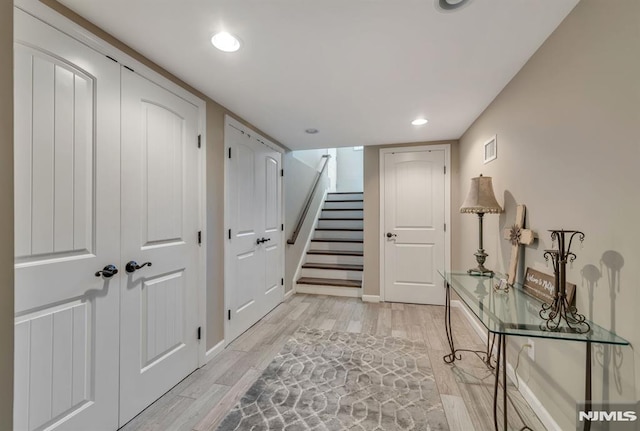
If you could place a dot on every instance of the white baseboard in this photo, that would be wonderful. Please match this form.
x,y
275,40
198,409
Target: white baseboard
x,y
370,298
533,401
214,351
290,292
329,290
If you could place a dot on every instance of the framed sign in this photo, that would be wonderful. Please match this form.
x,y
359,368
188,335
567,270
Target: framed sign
x,y
541,286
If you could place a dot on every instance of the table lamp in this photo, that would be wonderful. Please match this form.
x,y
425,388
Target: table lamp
x,y
481,200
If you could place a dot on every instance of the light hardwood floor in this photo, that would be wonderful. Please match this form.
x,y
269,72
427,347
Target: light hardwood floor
x,y
201,400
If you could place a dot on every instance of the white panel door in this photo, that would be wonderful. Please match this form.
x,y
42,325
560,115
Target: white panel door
x,y
271,291
160,223
67,208
255,258
414,209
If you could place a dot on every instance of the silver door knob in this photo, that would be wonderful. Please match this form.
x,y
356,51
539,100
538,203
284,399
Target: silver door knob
x,y
391,235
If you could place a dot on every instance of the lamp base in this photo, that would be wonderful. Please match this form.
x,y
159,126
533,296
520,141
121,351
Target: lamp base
x,y
480,270
481,257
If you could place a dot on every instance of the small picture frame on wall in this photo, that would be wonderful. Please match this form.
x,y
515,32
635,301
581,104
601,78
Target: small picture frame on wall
x,y
491,149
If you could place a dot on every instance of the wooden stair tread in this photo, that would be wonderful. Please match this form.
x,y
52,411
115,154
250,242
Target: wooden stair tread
x,y
341,229
345,193
344,200
337,266
348,218
337,252
342,209
336,240
330,282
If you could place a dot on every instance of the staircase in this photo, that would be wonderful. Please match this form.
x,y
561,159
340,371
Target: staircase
x,y
333,264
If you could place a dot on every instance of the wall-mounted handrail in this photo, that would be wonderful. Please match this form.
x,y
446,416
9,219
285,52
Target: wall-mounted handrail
x,y
312,193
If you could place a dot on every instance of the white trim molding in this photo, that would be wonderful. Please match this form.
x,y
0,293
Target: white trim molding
x,y
214,351
370,298
291,292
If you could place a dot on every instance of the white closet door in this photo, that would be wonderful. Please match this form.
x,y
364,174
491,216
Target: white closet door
x,y
271,292
160,224
255,260
67,208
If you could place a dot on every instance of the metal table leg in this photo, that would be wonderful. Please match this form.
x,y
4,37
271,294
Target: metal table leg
x,y
451,357
500,361
587,386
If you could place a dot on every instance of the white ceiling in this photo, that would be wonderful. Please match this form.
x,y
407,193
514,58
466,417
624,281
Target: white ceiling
x,y
357,70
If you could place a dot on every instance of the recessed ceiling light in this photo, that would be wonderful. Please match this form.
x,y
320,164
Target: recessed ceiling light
x,y
225,42
311,131
419,122
450,5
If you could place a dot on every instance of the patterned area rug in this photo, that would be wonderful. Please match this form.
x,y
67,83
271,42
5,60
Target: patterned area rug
x,y
324,380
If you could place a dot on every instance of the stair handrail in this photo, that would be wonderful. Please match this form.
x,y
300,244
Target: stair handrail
x,y
303,214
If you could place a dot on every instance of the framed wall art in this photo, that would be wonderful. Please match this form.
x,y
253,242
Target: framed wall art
x,y
491,149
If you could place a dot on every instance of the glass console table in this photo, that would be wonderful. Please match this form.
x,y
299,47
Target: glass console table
x,y
511,313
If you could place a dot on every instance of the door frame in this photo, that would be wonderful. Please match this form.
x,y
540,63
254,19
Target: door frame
x,y
447,204
229,121
93,41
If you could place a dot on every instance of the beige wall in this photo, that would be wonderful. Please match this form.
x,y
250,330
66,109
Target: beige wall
x,y
215,178
372,208
6,213
568,126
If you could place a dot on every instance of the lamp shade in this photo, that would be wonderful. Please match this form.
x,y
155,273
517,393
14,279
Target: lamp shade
x,y
481,198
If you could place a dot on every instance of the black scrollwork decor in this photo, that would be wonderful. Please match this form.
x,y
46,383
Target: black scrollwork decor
x,y
560,309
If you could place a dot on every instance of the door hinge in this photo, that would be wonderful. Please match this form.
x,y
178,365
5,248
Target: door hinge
x,y
229,152
111,58
282,281
199,332
127,67
282,172
199,141
229,315
229,233
445,170
282,227
445,227
199,237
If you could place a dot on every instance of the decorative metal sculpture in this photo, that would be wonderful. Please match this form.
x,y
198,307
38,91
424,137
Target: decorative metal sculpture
x,y
560,309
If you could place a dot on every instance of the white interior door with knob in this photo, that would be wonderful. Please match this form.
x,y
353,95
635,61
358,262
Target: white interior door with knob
x,y
160,224
67,208
254,261
413,216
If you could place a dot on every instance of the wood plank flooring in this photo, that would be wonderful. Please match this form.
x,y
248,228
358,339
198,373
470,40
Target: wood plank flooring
x,y
202,400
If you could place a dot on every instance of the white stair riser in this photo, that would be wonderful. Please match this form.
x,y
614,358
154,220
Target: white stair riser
x,y
356,224
328,205
336,274
332,258
341,214
353,234
318,245
331,197
329,290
